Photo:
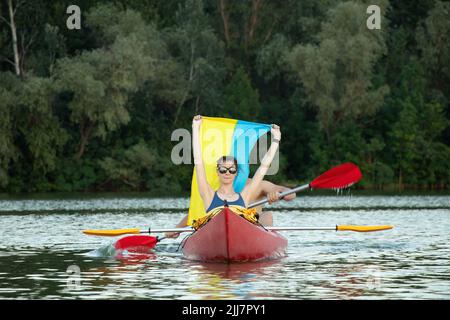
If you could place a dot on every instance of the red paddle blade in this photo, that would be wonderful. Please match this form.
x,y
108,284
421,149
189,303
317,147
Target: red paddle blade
x,y
136,244
338,177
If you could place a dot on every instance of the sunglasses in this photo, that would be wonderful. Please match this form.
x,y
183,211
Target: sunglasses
x,y
223,170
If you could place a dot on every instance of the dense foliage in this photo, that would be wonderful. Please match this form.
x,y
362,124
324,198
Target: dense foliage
x,y
94,108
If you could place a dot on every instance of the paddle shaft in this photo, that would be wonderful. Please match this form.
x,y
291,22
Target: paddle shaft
x,y
282,195
189,229
335,228
300,228
185,229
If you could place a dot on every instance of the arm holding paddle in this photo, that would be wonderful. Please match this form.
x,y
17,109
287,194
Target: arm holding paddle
x,y
273,191
181,224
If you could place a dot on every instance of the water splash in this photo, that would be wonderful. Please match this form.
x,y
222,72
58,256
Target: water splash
x,y
105,251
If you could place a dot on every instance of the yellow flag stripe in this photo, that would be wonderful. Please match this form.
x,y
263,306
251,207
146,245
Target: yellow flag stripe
x,y
216,140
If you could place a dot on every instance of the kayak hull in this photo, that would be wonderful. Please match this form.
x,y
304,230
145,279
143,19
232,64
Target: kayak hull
x,y
228,237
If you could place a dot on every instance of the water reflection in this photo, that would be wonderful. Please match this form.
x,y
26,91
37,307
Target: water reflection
x,y
354,281
231,281
236,271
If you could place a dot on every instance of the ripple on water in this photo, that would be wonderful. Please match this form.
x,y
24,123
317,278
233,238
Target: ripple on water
x,y
41,258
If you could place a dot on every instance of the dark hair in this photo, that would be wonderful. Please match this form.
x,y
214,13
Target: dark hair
x,y
227,159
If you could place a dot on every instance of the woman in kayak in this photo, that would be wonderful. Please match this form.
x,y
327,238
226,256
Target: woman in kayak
x,y
227,170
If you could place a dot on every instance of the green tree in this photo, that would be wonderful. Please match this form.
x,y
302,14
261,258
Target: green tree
x,y
8,150
113,92
404,134
37,122
128,165
337,73
30,130
432,165
271,61
415,136
432,37
241,100
200,54
101,81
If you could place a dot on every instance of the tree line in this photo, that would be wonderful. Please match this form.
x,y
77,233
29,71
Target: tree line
x,y
93,109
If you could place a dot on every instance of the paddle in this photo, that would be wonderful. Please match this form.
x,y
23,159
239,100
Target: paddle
x,y
137,244
119,232
339,177
335,228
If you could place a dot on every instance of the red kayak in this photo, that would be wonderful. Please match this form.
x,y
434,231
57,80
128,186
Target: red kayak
x,y
228,237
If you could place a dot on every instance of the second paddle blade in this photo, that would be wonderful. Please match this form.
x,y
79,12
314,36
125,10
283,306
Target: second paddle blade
x,y
111,233
139,244
363,228
338,177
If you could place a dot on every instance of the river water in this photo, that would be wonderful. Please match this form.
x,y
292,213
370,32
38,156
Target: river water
x,y
44,254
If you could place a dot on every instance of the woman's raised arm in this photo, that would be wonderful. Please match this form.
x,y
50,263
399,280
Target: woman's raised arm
x,y
205,190
252,187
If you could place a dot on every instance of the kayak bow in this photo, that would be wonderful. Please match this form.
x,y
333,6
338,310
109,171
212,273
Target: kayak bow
x,y
228,237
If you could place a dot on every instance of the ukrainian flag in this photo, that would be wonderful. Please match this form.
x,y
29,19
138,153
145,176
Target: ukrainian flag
x,y
220,137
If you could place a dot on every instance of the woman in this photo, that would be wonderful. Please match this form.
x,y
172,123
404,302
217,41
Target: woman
x,y
226,170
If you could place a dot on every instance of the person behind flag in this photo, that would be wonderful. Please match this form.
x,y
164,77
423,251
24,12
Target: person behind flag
x,y
226,170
